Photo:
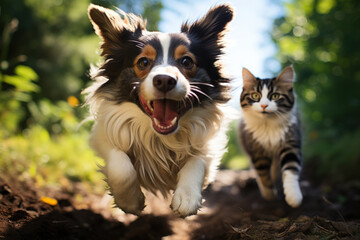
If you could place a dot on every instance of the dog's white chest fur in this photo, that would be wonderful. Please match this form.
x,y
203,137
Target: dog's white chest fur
x,y
158,158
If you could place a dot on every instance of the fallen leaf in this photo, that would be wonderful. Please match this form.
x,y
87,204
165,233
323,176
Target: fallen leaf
x,y
50,201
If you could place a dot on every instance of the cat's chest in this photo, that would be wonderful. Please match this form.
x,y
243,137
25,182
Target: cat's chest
x,y
268,136
269,133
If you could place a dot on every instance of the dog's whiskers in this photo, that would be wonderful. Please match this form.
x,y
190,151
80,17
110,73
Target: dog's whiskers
x,y
193,95
189,98
198,90
201,83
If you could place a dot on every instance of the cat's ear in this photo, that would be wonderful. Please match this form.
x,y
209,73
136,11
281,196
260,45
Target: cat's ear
x,y
110,26
286,77
248,78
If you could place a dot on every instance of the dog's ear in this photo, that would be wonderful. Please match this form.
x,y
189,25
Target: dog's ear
x,y
209,29
111,27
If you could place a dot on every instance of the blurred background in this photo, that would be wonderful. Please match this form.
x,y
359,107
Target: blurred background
x,y
46,48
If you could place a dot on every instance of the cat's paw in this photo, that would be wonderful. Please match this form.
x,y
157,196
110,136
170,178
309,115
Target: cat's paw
x,y
186,201
292,191
268,193
293,198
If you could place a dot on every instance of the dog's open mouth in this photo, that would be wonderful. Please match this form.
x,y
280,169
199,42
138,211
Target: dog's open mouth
x,y
164,113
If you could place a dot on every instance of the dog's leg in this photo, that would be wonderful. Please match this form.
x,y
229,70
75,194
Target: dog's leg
x,y
123,182
187,197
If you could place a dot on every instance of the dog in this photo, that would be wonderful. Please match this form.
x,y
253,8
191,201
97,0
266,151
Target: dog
x,y
157,104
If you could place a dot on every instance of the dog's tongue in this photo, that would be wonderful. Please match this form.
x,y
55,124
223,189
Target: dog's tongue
x,y
165,111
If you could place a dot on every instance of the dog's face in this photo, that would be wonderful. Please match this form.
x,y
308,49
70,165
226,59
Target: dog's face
x,y
165,74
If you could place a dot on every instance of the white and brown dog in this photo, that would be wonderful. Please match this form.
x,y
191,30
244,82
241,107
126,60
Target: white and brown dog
x,y
157,107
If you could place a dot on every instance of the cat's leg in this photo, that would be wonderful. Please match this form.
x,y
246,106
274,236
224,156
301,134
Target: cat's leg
x,y
187,196
290,170
262,166
123,182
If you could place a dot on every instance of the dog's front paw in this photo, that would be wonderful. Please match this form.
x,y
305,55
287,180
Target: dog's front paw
x,y
186,201
131,202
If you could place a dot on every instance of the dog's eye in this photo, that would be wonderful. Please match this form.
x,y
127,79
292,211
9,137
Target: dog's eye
x,y
143,63
186,62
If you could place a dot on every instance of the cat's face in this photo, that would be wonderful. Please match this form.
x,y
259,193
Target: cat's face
x,y
268,97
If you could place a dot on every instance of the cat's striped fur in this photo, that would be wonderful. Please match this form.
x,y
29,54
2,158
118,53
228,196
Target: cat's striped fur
x,y
270,133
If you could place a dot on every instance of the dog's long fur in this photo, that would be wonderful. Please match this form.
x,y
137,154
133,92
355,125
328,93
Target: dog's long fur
x,y
136,153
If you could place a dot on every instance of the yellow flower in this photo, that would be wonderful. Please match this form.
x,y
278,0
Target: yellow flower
x,y
73,101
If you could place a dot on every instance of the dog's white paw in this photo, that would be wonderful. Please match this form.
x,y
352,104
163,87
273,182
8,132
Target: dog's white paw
x,y
186,201
130,202
292,191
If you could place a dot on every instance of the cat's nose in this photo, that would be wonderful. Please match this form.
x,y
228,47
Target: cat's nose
x,y
263,106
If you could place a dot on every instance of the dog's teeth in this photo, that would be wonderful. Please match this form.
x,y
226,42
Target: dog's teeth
x,y
156,122
172,123
149,105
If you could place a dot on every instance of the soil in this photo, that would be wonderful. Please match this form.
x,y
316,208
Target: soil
x,y
233,209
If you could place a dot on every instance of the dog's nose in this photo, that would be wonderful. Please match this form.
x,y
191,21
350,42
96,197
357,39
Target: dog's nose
x,y
164,83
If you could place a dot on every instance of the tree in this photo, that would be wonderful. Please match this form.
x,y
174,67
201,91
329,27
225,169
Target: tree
x,y
320,38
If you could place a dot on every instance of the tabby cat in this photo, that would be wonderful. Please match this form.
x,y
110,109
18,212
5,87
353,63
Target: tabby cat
x,y
270,133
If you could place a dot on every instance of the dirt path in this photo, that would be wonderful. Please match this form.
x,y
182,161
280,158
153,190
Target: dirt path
x,y
233,210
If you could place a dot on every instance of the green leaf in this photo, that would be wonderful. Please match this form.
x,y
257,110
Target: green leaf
x,y
22,96
26,72
21,83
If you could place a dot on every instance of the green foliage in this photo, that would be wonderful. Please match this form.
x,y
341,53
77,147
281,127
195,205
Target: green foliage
x,y
320,38
234,158
149,10
19,87
47,158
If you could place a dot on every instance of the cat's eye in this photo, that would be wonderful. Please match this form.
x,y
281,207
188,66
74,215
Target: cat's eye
x,y
275,96
255,96
143,63
186,62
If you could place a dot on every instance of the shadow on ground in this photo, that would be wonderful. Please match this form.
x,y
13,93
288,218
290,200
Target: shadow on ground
x,y
85,224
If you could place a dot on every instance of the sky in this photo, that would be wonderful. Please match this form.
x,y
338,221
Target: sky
x,y
248,42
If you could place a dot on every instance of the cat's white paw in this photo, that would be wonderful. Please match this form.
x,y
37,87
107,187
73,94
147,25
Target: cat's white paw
x,y
293,198
292,191
186,201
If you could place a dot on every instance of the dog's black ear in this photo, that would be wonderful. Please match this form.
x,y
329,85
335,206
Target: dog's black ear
x,y
111,27
209,29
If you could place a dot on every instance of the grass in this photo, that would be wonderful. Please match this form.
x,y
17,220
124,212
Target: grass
x,y
50,159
